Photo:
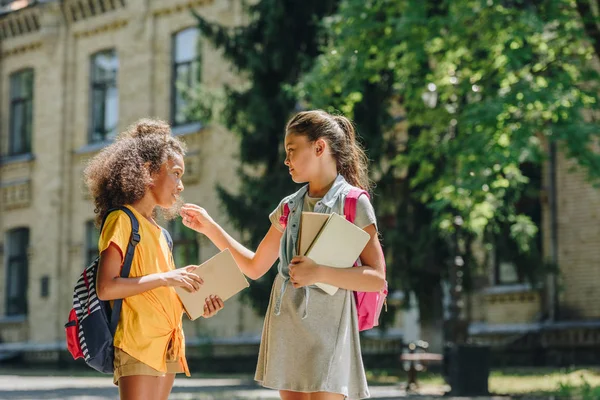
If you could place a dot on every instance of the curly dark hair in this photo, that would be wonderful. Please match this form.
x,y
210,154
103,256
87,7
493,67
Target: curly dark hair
x,y
121,173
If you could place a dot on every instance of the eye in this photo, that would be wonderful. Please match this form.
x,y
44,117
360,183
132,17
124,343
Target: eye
x,y
177,174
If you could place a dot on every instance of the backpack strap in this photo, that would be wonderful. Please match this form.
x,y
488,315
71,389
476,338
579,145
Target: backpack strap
x,y
168,237
134,239
283,220
351,201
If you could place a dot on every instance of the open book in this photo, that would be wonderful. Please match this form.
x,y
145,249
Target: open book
x,y
337,244
222,277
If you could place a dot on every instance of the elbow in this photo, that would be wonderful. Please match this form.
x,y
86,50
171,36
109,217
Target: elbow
x,y
102,292
381,283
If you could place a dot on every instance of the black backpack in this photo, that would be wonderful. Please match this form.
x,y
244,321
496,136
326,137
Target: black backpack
x,y
92,322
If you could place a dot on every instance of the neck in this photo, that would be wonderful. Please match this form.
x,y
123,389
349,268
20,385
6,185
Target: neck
x,y
145,206
319,186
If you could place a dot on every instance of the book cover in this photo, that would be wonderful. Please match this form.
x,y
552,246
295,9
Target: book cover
x,y
222,277
338,245
311,224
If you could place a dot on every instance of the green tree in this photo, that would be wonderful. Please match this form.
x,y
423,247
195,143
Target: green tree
x,y
272,51
455,100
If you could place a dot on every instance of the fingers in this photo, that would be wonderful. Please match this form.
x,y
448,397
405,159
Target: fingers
x,y
297,259
191,210
212,306
190,281
195,280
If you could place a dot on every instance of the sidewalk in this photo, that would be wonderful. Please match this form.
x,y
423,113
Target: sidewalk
x,y
102,388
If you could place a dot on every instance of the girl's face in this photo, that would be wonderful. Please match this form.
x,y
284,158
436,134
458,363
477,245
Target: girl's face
x,y
301,156
167,183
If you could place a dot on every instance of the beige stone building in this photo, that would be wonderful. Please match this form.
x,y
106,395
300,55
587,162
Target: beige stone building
x,y
73,73
559,321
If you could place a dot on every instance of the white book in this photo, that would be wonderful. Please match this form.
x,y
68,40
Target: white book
x,y
222,277
338,244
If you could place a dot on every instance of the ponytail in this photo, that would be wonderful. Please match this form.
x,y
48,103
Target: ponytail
x,y
355,168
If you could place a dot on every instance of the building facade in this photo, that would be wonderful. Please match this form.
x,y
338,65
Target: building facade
x,y
557,321
73,74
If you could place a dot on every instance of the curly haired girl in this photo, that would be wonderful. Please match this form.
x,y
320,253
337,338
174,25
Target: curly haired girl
x,y
142,171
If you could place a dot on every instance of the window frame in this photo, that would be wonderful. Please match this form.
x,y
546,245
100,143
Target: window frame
x,y
103,86
175,66
17,260
24,101
190,243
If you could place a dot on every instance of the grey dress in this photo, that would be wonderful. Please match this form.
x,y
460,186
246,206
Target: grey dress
x,y
310,340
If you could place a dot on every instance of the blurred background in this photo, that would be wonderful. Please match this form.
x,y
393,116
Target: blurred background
x,y
478,116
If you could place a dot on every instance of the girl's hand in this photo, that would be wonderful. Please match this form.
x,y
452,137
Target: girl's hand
x,y
196,218
183,277
212,306
303,272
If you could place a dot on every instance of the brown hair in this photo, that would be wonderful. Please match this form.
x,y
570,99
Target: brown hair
x,y
338,131
121,173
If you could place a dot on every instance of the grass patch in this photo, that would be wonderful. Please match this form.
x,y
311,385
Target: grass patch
x,y
542,380
567,382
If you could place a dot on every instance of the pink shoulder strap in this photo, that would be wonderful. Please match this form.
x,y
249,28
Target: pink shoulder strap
x,y
284,217
350,203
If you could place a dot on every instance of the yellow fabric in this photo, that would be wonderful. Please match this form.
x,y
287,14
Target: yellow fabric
x,y
151,320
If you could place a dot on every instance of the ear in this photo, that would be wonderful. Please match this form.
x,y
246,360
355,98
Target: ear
x,y
320,146
152,176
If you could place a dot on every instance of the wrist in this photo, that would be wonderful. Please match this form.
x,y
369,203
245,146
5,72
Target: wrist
x,y
211,230
321,273
162,278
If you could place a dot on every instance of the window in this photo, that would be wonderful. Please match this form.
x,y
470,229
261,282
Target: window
x,y
186,73
21,112
511,266
91,242
17,241
185,245
104,96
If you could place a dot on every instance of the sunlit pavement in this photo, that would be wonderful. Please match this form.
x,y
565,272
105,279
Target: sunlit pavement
x,y
102,388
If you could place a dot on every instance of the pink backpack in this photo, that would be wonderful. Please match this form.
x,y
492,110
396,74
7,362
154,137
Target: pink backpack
x,y
368,304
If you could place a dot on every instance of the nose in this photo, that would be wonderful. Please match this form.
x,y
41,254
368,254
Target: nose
x,y
287,160
180,186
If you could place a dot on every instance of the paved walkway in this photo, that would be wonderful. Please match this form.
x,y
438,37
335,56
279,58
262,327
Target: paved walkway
x,y
102,388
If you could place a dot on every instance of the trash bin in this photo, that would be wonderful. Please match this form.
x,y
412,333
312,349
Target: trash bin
x,y
467,369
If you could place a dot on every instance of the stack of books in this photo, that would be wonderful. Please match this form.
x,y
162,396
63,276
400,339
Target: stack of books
x,y
332,241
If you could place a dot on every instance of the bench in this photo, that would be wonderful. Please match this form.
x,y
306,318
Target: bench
x,y
418,358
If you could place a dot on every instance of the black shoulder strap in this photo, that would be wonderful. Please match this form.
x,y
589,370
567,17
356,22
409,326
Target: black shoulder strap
x,y
168,237
134,239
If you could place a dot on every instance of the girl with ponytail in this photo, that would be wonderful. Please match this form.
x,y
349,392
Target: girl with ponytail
x,y
310,347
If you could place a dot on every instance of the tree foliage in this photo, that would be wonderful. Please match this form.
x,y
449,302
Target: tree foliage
x,y
272,51
457,102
